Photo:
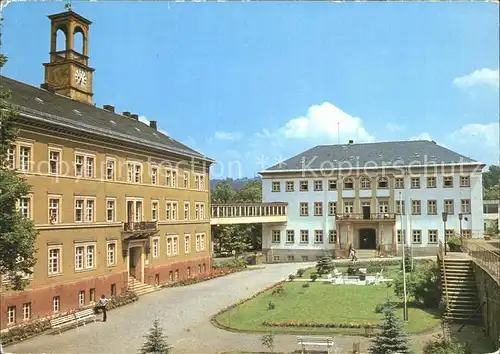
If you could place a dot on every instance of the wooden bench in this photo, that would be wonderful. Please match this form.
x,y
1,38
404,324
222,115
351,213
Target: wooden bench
x,y
304,341
85,316
61,322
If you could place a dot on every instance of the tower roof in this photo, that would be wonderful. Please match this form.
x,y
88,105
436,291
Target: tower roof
x,y
67,15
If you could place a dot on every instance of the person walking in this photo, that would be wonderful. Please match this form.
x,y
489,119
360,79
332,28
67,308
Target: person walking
x,y
101,305
353,255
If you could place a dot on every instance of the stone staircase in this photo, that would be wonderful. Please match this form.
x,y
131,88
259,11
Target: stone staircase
x,y
139,288
462,291
361,254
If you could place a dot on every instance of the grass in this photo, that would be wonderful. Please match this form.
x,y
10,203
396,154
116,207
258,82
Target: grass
x,y
321,303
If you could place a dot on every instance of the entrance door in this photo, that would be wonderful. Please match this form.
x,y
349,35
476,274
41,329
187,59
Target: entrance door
x,y
134,262
367,239
366,212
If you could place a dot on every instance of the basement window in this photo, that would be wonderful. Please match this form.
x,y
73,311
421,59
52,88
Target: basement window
x,y
39,100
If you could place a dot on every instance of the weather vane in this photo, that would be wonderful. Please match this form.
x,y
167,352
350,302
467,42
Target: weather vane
x,y
67,6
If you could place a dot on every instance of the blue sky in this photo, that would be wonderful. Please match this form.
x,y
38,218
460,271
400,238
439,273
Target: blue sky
x,y
250,84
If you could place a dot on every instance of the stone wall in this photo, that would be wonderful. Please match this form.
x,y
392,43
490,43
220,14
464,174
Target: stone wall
x,y
489,292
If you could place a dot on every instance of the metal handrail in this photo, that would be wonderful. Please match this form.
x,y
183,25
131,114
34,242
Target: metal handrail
x,y
441,255
487,259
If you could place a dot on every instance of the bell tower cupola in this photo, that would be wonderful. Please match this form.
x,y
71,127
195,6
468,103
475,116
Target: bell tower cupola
x,y
68,72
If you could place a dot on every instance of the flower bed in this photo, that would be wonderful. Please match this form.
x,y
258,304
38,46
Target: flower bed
x,y
323,325
215,273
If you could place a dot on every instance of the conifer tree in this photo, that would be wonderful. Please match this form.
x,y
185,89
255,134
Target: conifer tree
x,y
324,265
156,341
392,339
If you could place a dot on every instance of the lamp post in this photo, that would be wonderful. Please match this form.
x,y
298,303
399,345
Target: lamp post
x,y
445,218
460,218
403,244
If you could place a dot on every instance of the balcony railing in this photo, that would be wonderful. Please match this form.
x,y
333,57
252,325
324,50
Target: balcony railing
x,y
132,226
371,216
249,210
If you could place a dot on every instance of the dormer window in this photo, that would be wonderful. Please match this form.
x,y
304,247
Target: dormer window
x,y
383,182
348,183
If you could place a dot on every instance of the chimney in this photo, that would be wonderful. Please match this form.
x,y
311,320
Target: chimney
x,y
109,107
153,124
351,142
47,87
126,114
134,116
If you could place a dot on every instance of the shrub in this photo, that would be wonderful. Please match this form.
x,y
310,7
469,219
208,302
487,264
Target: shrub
x,y
291,277
237,263
271,306
407,262
305,285
422,285
314,276
324,265
443,346
351,270
267,341
380,308
455,244
278,290
300,272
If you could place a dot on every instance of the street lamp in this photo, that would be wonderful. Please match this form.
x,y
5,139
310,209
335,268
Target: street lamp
x,y
445,218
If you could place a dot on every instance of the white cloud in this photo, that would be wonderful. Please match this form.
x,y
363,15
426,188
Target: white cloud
x,y
481,77
394,127
480,141
422,136
227,136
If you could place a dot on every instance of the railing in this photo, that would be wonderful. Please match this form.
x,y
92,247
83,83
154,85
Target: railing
x,y
248,210
139,226
372,216
487,259
441,257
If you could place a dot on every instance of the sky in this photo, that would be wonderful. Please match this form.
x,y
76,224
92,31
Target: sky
x,y
250,84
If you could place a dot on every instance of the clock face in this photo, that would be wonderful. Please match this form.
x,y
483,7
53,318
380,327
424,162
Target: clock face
x,y
81,78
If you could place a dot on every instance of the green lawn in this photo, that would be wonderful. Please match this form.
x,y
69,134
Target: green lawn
x,y
389,271
320,303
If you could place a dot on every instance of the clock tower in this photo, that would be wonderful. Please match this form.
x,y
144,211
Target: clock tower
x,y
68,72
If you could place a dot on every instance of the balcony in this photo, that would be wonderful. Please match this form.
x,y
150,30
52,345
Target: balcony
x,y
248,213
359,217
139,229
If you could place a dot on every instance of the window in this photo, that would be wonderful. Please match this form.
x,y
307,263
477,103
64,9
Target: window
x,y
467,233
27,311
24,158
113,289
304,258
11,157
25,207
348,206
187,243
332,184
417,236
88,215
199,181
110,169
54,204
318,208
276,236
111,253
449,233
156,247
415,182
199,211
79,160
171,210
464,181
399,183
134,172
416,207
304,186
289,186
56,303
92,294
154,175
84,165
169,246
79,256
185,182
465,206
447,181
11,314
304,209
348,183
89,210
400,234
431,182
200,242
383,206
186,210
175,245
171,178
170,276
110,210
400,207
304,236
432,207
332,236
365,183
290,236
54,261
448,206
85,256
276,258
188,271
332,208
318,185
383,182
290,258
154,210
318,236
54,161
81,298
275,186
433,236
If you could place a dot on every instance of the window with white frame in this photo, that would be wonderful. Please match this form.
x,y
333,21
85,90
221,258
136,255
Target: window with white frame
x,y
348,206
134,172
465,206
304,209
24,158
447,181
464,181
275,186
110,210
186,210
290,236
54,210
154,175
198,240
187,243
304,186
332,208
134,210
289,186
318,208
318,236
276,236
89,210
56,304
169,245
154,210
348,183
156,247
27,311
84,209
383,206
199,211
332,184
400,235
415,182
111,253
54,260
85,256
171,210
168,178
433,236
199,182
304,236
449,233
11,157
11,315
81,298
399,183
365,183
416,208
202,242
431,182
174,179
400,207
432,207
79,162
383,182
84,165
175,245
25,206
318,185
110,169
448,206
417,236
202,211
79,210
332,236
54,161
186,179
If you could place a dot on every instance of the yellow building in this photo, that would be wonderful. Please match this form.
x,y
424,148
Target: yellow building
x,y
113,198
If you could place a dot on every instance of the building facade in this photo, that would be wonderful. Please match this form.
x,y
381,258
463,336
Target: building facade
x,y
113,198
491,214
371,196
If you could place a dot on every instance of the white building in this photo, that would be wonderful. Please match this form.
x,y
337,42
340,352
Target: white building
x,y
490,210
341,195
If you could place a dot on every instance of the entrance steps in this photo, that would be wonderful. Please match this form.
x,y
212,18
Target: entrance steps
x,y
458,283
366,254
139,288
